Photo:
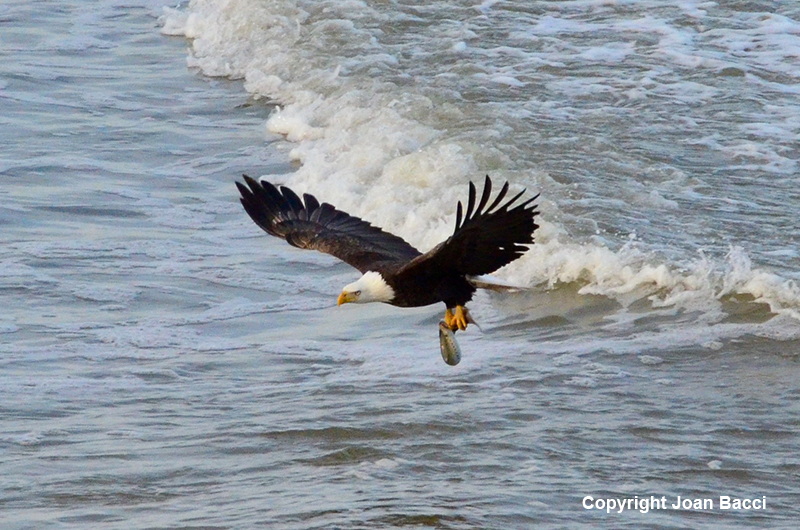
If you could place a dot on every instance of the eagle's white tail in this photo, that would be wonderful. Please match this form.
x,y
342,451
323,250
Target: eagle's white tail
x,y
486,281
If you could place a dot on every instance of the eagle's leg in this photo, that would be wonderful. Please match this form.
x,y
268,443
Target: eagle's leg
x,y
457,321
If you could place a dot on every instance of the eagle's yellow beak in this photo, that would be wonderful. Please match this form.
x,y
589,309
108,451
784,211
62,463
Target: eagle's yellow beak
x,y
346,298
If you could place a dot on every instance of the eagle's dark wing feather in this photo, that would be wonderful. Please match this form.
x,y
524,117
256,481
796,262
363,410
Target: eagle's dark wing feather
x,y
281,213
484,239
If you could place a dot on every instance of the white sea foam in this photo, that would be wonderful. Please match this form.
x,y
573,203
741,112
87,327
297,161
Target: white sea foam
x,y
395,140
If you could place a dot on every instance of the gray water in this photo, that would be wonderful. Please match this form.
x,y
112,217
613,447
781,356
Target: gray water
x,y
163,364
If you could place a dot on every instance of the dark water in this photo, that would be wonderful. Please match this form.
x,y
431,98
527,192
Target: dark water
x,y
165,365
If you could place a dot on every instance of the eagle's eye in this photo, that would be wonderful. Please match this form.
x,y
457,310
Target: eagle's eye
x,y
357,293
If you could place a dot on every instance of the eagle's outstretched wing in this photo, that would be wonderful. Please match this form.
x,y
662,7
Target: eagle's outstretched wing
x,y
485,238
312,225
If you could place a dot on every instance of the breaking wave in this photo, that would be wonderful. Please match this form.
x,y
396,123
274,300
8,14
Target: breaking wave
x,y
388,111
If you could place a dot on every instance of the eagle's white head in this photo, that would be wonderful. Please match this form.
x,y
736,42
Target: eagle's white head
x,y
369,288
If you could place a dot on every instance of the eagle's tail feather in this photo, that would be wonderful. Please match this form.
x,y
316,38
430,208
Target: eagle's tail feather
x,y
486,281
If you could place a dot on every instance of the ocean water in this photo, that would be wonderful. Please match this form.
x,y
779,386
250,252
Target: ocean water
x,y
164,364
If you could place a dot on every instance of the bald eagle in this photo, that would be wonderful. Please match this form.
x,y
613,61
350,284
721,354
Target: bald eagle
x,y
485,238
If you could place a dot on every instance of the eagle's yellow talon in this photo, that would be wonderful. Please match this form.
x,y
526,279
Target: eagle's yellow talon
x,y
448,318
458,321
